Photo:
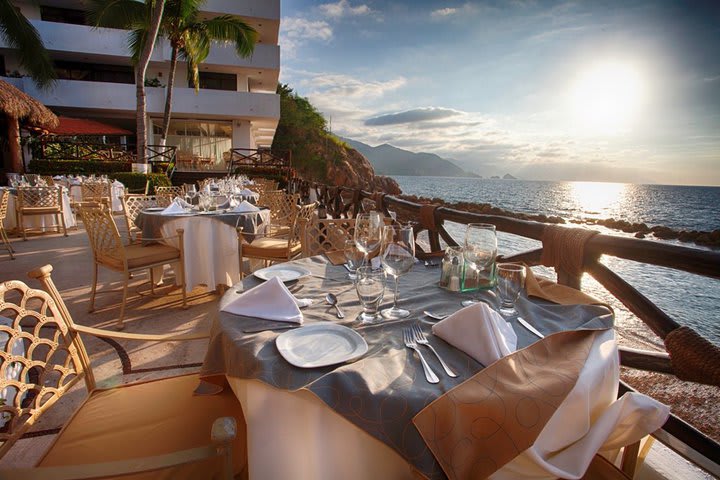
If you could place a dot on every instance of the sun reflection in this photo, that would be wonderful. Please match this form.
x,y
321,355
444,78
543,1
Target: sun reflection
x,y
594,199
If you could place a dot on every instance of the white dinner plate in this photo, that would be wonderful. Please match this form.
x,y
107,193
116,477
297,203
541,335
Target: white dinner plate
x,y
155,209
286,273
320,345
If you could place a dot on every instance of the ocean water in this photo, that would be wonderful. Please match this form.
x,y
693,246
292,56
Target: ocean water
x,y
690,299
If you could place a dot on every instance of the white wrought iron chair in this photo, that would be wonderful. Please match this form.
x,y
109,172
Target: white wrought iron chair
x,y
33,201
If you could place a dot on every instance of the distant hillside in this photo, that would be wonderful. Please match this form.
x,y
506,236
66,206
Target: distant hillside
x,y
389,160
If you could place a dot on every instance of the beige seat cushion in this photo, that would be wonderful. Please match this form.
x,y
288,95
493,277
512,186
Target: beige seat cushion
x,y
39,210
139,255
270,247
145,419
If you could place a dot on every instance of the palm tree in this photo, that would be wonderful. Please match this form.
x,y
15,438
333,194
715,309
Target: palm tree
x,y
19,34
143,19
190,38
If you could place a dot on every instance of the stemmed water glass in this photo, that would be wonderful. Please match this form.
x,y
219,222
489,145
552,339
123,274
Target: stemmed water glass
x,y
479,252
398,257
191,193
368,233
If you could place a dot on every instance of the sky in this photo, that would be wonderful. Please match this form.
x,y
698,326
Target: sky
x,y
615,91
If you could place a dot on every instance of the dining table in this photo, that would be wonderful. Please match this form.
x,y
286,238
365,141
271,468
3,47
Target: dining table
x,y
210,240
377,416
41,222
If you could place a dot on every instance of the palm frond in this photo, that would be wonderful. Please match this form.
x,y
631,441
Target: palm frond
x,y
229,28
125,14
136,43
18,33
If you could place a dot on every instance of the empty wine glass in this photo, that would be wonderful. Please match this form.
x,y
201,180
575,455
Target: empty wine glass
x,y
398,257
368,233
479,252
354,258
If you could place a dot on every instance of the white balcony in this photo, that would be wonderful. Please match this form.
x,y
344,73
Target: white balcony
x,y
106,45
269,9
120,98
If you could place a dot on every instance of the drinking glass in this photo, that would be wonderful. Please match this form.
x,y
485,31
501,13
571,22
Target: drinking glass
x,y
398,257
353,258
510,282
370,288
479,252
368,233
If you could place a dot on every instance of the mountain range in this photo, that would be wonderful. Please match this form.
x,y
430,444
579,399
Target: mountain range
x,y
389,160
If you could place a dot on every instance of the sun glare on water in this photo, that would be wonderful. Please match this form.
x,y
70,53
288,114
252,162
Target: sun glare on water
x,y
606,97
596,199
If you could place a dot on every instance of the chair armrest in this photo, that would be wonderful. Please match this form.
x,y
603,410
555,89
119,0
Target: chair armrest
x,y
99,332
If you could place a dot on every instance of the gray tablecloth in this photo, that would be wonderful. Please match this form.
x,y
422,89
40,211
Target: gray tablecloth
x,y
351,389
253,223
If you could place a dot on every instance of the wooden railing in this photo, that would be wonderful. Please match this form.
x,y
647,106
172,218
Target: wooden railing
x,y
689,356
69,150
261,159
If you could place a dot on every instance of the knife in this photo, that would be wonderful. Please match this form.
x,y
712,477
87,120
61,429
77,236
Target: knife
x,y
262,329
534,330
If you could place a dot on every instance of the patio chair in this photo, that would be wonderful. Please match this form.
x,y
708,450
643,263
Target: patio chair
x,y
109,252
4,198
322,235
174,191
155,426
276,249
33,201
283,207
132,205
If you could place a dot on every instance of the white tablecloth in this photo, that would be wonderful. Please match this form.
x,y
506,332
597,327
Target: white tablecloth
x,y
39,221
211,250
118,190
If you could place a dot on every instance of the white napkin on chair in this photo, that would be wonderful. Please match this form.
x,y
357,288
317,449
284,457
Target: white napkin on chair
x,y
479,331
245,206
270,300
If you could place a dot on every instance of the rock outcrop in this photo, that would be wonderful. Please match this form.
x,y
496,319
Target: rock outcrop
x,y
351,169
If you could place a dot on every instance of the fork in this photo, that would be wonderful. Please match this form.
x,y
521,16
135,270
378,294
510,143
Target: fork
x,y
420,338
410,343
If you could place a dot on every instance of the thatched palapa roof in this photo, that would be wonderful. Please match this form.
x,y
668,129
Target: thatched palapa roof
x,y
18,104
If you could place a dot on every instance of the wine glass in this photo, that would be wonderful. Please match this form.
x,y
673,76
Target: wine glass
x,y
354,258
398,257
479,252
191,193
368,233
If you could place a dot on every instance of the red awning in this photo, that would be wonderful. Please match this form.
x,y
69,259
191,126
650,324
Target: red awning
x,y
84,126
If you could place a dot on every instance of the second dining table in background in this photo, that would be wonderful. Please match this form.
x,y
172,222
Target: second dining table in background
x,y
210,241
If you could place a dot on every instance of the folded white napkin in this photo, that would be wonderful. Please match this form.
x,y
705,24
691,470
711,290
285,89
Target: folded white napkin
x,y
247,192
245,206
173,209
478,331
181,202
270,300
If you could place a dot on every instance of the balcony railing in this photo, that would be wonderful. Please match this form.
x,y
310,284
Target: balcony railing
x,y
261,160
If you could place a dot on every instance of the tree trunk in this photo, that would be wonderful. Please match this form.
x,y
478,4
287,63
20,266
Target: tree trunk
x,y
16,164
168,95
140,71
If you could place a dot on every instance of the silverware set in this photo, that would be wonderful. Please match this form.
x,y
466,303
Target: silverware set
x,y
413,337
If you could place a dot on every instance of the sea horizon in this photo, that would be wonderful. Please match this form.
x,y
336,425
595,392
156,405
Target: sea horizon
x,y
546,180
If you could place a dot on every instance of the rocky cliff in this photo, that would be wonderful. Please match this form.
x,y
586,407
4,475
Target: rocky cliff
x,y
352,169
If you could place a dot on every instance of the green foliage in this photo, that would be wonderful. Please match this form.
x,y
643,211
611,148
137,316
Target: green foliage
x,y
262,172
77,167
304,131
135,182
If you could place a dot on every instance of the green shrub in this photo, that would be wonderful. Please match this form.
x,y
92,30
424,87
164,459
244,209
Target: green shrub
x,y
77,167
135,182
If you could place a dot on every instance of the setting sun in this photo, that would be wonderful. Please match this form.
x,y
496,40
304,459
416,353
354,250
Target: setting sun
x,y
606,97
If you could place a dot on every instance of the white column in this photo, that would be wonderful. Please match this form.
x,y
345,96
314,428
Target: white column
x,y
242,83
242,135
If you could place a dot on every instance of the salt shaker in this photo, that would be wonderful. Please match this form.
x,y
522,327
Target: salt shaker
x,y
451,272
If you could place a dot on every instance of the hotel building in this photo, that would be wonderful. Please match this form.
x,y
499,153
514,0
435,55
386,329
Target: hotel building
x,y
236,106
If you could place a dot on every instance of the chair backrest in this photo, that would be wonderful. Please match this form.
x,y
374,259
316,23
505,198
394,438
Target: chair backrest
x,y
4,199
97,191
325,235
282,205
302,216
39,197
134,204
42,357
105,240
174,191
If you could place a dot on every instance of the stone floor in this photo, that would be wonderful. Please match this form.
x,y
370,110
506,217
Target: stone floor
x,y
128,361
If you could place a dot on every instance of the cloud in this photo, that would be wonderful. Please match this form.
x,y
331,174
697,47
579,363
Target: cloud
x,y
412,116
296,31
443,12
343,9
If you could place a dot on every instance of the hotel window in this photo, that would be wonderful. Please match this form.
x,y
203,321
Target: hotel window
x,y
93,72
62,15
197,138
218,81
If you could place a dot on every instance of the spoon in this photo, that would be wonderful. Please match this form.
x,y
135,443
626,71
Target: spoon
x,y
332,300
436,316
